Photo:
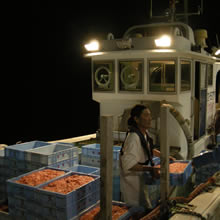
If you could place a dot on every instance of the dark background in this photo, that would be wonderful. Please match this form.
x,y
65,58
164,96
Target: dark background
x,y
47,94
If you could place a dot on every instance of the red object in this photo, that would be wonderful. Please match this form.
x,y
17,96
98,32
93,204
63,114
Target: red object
x,y
176,167
39,177
117,211
68,184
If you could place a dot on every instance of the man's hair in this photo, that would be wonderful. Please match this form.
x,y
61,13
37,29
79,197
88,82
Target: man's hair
x,y
136,112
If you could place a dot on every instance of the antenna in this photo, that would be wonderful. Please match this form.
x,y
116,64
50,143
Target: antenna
x,y
172,4
201,7
186,14
151,9
171,12
217,40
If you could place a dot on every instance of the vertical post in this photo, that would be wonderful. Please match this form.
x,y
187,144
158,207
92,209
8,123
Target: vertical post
x,y
106,126
164,158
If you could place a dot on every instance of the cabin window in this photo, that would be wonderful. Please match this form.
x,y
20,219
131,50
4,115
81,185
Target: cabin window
x,y
103,75
162,76
130,75
185,75
210,74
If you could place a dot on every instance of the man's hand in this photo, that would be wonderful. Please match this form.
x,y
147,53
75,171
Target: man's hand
x,y
172,158
156,172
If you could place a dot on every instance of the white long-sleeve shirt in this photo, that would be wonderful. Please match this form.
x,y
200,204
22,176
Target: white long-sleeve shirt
x,y
131,182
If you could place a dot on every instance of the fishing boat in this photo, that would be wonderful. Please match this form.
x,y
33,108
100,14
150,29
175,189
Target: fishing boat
x,y
157,64
165,62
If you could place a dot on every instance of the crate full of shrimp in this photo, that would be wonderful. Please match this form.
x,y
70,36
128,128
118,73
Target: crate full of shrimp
x,y
25,185
68,195
22,190
180,171
120,211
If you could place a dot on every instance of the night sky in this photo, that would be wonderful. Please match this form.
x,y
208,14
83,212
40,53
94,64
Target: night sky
x,y
48,95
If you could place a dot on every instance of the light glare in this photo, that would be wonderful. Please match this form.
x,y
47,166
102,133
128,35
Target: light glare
x,y
92,46
217,52
164,41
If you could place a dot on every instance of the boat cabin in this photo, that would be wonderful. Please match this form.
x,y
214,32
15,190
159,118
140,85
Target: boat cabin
x,y
154,63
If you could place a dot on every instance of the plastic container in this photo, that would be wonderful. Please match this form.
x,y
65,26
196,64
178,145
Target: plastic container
x,y
203,158
216,153
125,216
18,151
25,191
51,154
85,169
66,206
95,161
176,179
94,150
218,139
66,164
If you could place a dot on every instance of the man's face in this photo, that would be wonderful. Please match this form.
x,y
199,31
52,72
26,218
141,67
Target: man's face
x,y
144,120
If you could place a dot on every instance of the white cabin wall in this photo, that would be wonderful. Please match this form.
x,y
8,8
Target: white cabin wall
x,y
176,136
115,108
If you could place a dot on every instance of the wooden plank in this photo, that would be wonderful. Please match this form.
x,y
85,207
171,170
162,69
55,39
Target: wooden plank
x,y
164,158
76,139
106,151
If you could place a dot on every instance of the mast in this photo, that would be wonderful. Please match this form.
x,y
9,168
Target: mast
x,y
172,4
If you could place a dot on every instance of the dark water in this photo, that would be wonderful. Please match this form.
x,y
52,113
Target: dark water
x,y
47,113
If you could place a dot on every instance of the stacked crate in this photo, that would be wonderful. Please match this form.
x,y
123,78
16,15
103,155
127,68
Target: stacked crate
x,y
15,156
91,157
12,163
3,176
176,179
128,214
206,164
218,139
22,158
34,202
84,169
58,155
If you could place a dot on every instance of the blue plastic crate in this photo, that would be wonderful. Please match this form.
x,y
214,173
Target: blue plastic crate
x,y
51,154
205,172
22,190
181,178
176,179
66,164
53,199
84,169
216,153
218,139
126,216
70,211
156,160
94,161
205,157
18,151
94,150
